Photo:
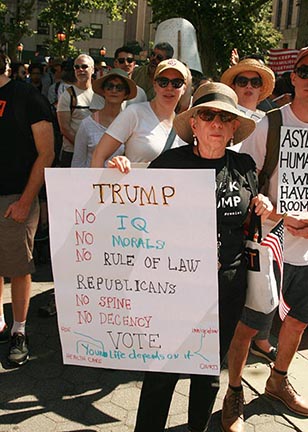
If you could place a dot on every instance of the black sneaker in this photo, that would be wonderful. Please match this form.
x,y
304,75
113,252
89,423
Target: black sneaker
x,y
19,353
4,334
269,356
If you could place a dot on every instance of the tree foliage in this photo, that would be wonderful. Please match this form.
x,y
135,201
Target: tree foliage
x,y
223,25
15,24
65,15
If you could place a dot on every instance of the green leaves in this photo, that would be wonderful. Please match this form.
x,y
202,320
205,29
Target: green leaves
x,y
222,25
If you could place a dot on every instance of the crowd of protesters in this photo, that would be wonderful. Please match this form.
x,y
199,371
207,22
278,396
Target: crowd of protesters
x,y
72,114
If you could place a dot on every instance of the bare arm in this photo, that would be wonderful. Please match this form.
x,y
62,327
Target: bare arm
x,y
104,149
44,143
64,119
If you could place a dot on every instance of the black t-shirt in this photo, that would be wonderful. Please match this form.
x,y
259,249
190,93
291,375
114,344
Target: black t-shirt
x,y
21,105
233,191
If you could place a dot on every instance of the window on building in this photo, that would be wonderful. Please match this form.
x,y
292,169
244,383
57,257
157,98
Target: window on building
x,y
278,13
290,13
97,31
42,28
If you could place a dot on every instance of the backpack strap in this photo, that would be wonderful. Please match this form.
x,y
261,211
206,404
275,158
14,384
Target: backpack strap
x,y
272,149
73,95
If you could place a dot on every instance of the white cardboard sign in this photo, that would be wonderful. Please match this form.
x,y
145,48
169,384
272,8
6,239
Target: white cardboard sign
x,y
293,170
135,268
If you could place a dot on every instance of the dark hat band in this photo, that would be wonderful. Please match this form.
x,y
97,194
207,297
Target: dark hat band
x,y
215,97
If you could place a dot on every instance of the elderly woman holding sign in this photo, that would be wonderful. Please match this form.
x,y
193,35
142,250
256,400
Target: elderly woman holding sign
x,y
210,126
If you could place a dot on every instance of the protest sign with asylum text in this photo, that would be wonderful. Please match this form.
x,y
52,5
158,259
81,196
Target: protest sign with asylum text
x,y
293,170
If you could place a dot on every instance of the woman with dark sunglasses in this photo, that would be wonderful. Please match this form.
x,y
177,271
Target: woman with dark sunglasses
x,y
145,128
115,87
209,127
253,82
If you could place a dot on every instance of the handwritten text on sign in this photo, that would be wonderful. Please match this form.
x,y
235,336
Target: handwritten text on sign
x,y
293,170
135,268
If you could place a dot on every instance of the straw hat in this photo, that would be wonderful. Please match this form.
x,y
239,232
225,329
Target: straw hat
x,y
251,65
97,84
171,64
214,95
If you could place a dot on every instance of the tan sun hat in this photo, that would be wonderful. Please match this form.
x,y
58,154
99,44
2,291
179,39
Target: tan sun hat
x,y
171,64
251,65
219,96
97,84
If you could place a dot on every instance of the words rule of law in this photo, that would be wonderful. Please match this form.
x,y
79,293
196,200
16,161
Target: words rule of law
x,y
134,261
293,170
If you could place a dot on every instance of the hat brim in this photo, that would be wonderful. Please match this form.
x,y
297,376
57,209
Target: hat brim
x,y
183,129
267,75
97,85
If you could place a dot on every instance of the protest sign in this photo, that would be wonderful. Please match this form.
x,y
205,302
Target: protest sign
x,y
134,261
281,60
293,170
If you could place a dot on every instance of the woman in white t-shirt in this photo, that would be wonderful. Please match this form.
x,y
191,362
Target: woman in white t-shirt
x,y
144,128
115,87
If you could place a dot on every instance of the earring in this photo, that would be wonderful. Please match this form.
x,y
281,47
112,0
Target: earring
x,y
195,140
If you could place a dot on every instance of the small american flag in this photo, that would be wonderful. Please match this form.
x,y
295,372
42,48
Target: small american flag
x,y
274,240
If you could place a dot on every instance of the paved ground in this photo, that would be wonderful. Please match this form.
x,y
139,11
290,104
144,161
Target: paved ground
x,y
44,395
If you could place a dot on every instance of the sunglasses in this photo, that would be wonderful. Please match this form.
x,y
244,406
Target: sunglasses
x,y
242,81
122,60
158,57
83,66
208,115
117,87
302,71
163,82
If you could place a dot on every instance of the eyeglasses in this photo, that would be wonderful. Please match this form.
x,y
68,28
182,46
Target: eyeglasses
x,y
122,60
302,71
82,66
208,115
117,87
242,81
163,82
158,57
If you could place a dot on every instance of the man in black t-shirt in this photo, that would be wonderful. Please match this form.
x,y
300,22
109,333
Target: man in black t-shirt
x,y
26,147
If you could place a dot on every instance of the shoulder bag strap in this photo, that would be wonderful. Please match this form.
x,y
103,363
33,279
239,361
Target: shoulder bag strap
x,y
170,140
255,226
272,149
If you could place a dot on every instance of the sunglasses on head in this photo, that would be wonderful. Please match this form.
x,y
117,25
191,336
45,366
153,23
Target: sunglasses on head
x,y
242,81
158,57
82,66
122,60
117,87
302,71
208,115
163,82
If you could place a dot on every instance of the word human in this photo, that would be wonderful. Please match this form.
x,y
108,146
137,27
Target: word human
x,y
125,193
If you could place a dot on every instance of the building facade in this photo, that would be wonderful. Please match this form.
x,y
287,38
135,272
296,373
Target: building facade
x,y
290,17
136,27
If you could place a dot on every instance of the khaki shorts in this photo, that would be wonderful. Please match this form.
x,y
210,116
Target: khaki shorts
x,y
17,240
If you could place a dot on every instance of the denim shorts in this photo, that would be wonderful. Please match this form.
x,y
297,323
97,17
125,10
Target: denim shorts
x,y
295,291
